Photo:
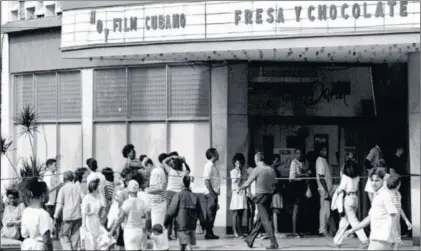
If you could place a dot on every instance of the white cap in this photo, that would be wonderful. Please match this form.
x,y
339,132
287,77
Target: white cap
x,y
133,186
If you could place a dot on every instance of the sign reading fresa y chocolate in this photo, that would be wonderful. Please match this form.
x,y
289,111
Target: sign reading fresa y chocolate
x,y
201,20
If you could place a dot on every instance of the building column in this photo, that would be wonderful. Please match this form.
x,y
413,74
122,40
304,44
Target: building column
x,y
87,76
229,122
7,128
414,140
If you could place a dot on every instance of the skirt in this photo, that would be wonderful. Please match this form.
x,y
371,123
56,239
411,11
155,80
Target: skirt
x,y
277,202
238,201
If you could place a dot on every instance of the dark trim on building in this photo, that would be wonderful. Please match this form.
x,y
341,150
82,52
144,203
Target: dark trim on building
x,y
75,5
33,24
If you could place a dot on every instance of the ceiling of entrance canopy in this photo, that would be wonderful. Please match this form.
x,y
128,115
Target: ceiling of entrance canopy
x,y
352,54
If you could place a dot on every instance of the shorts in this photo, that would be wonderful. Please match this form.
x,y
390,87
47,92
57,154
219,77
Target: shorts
x,y
187,237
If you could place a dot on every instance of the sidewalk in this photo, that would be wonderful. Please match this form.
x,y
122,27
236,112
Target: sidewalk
x,y
307,243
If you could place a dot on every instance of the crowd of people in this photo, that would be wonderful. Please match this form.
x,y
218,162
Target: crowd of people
x,y
95,209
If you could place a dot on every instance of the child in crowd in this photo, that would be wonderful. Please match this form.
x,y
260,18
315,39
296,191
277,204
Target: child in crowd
x,y
158,238
393,183
186,209
382,215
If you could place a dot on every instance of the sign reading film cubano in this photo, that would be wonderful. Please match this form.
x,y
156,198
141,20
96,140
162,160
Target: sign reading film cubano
x,y
229,19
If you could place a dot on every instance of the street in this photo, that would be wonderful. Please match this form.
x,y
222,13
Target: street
x,y
309,243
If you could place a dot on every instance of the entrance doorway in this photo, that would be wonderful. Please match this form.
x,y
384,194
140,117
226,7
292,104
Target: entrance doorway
x,y
343,108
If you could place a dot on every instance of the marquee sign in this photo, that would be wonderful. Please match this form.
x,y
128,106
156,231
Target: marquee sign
x,y
233,19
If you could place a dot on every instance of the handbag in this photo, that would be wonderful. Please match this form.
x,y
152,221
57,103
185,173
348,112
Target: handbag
x,y
308,192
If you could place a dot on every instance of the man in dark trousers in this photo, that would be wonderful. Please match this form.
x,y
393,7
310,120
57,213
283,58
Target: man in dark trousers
x,y
264,176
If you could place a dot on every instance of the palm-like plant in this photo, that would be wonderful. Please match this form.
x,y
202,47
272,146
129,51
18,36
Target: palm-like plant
x,y
5,149
27,120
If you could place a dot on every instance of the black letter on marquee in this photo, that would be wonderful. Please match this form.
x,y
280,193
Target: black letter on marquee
x,y
237,15
99,26
391,4
366,15
309,10
356,11
298,13
154,21
322,12
333,12
167,22
183,20
270,18
403,8
280,17
259,12
344,15
379,10
133,23
148,18
117,24
175,21
248,14
161,19
92,19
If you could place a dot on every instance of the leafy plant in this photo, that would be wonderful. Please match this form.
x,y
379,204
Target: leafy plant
x,y
5,149
31,167
27,120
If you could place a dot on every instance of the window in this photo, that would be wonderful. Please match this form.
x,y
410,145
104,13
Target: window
x,y
55,96
154,93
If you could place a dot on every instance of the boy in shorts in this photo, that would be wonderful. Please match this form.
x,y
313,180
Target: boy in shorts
x,y
185,208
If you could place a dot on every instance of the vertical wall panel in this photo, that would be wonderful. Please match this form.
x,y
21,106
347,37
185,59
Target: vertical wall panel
x,y
70,147
110,93
189,90
149,139
148,92
70,95
109,140
191,140
46,142
23,147
46,96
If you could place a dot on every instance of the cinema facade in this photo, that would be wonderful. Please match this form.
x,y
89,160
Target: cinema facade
x,y
240,76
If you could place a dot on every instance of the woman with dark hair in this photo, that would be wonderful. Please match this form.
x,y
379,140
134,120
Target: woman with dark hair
x,y
12,215
173,166
95,172
80,176
238,198
37,225
349,187
92,229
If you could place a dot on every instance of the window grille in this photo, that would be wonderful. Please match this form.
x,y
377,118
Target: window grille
x,y
110,94
70,95
24,92
148,94
46,96
189,91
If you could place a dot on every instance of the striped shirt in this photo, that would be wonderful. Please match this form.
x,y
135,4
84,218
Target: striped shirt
x,y
109,190
157,180
295,169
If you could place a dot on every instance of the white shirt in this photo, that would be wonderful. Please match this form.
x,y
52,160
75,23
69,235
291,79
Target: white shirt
x,y
51,180
322,168
348,184
211,173
135,210
101,187
381,221
35,223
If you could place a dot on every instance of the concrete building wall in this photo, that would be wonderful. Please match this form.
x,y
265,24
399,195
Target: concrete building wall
x,y
414,140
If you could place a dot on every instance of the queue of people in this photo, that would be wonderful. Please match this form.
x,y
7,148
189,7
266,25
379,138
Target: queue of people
x,y
95,209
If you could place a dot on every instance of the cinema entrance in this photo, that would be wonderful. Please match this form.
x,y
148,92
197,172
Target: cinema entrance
x,y
344,107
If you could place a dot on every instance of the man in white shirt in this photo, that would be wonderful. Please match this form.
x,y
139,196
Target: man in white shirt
x,y
69,199
212,190
324,184
53,184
